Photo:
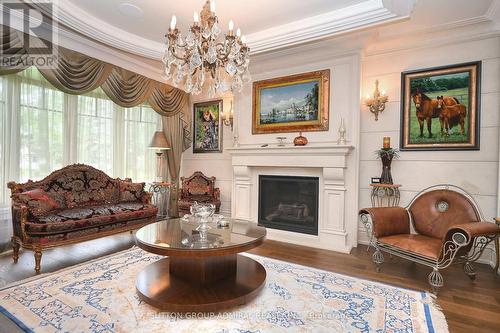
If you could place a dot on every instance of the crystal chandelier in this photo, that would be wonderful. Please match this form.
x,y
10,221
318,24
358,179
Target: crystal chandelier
x,y
204,56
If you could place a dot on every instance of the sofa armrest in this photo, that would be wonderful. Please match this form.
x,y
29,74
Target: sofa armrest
x,y
19,219
387,221
473,229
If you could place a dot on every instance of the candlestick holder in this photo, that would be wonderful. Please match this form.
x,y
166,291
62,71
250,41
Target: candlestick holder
x,y
342,132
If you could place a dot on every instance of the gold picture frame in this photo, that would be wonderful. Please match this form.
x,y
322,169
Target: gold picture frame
x,y
295,103
440,108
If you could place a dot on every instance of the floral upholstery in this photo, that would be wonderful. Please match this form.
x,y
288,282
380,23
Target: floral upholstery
x,y
40,202
85,217
76,202
130,191
198,188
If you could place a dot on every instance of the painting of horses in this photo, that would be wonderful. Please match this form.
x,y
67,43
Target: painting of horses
x,y
296,103
207,121
440,108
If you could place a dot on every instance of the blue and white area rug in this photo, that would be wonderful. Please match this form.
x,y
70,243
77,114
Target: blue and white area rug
x,y
100,296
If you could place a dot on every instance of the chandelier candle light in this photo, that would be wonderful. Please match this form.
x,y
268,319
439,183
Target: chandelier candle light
x,y
203,51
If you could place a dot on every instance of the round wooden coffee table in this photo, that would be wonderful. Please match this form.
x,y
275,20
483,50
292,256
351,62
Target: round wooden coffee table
x,y
200,276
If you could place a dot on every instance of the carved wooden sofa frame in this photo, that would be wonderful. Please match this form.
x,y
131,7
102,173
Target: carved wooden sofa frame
x,y
462,243
21,216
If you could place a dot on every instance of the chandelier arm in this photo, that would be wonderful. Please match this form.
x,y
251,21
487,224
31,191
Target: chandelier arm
x,y
178,57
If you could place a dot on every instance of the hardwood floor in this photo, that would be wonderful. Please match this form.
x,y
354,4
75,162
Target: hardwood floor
x,y
468,306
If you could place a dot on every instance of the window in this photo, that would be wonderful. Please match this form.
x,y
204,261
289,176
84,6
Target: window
x,y
140,124
3,149
95,133
43,129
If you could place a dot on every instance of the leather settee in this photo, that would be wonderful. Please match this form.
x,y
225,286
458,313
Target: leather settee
x,y
199,188
74,204
448,226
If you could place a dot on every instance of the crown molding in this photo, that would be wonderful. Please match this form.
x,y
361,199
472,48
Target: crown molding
x,y
362,15
474,28
359,16
72,40
68,14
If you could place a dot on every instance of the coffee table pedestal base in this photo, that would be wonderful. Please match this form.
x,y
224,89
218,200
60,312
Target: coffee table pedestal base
x,y
160,286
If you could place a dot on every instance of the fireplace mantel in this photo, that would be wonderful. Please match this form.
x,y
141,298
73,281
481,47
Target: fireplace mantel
x,y
319,155
327,161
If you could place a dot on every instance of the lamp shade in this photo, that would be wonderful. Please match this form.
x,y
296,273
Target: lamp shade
x,y
159,141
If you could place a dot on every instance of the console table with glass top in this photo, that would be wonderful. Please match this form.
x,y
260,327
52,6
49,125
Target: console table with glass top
x,y
198,277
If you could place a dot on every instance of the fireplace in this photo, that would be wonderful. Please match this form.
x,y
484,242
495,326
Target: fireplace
x,y
289,203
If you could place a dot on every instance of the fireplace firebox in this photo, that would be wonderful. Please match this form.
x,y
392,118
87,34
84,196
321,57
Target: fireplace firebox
x,y
289,203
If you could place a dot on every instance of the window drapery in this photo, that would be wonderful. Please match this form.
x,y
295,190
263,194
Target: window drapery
x,y
76,73
44,129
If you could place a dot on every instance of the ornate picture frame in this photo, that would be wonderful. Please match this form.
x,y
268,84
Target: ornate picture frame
x,y
440,108
295,103
207,127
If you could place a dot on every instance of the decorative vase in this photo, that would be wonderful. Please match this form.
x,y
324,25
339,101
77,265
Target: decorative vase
x,y
300,140
202,212
386,177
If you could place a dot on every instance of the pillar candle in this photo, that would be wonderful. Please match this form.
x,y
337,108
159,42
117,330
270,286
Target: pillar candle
x,y
387,142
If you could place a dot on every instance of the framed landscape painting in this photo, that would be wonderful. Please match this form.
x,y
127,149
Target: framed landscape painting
x,y
207,120
440,108
296,103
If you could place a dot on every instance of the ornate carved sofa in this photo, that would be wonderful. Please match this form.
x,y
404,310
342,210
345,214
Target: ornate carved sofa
x,y
74,204
198,188
448,225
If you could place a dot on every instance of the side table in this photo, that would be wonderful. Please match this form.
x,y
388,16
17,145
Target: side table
x,y
385,195
161,197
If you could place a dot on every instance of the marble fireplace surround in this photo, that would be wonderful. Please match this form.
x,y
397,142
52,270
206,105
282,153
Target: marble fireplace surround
x,y
328,162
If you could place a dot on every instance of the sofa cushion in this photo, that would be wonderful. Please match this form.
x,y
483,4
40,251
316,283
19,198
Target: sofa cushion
x,y
429,247
39,202
131,191
87,217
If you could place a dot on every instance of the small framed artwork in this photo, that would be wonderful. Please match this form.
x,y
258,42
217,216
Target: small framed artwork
x,y
207,120
296,103
440,108
376,180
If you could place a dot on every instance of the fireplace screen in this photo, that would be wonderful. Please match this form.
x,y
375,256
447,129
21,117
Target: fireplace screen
x,y
289,203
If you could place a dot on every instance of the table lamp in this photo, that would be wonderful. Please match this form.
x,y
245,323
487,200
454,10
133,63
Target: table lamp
x,y
159,143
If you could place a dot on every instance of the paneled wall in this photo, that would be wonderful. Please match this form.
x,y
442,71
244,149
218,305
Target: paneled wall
x,y
475,171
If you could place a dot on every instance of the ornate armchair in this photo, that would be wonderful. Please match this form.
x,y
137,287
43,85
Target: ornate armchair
x,y
448,225
198,188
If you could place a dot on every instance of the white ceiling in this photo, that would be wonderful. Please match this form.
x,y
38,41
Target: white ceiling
x,y
268,24
250,15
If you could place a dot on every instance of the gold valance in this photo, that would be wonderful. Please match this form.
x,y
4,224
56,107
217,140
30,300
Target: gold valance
x,y
76,73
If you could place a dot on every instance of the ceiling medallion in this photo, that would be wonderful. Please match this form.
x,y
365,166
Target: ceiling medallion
x,y
201,52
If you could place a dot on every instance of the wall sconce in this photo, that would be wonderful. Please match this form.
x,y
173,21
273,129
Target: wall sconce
x,y
376,104
228,117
